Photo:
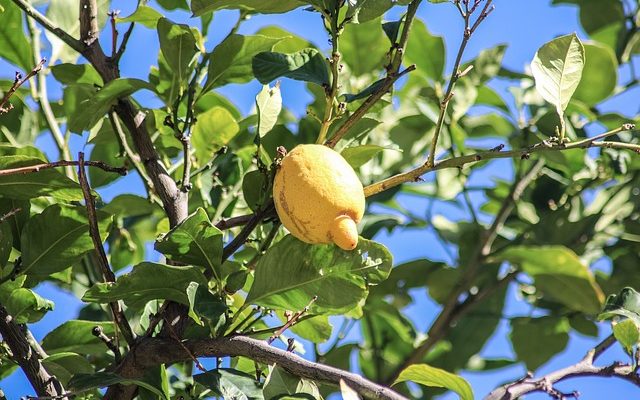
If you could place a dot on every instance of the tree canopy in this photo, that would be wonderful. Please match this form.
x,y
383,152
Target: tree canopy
x,y
189,262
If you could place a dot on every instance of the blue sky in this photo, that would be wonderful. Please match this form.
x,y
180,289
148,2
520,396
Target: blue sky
x,y
523,24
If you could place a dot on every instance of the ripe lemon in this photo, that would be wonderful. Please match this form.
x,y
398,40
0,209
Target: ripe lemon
x,y
318,196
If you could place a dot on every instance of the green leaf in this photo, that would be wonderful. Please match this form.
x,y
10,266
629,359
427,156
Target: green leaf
x,y
362,49
65,14
57,238
71,74
426,51
536,340
280,383
559,274
626,332
600,74
147,281
255,188
291,273
65,365
488,125
214,128
84,382
91,110
317,329
269,104
359,155
199,7
75,336
26,306
143,15
290,42
178,46
435,377
231,59
368,10
305,65
626,304
230,384
557,69
46,182
604,21
195,241
6,243
486,65
15,48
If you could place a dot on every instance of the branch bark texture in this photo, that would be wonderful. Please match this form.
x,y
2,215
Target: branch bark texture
x,y
585,367
155,351
27,358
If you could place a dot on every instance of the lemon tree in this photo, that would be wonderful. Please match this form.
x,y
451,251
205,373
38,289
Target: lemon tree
x,y
318,199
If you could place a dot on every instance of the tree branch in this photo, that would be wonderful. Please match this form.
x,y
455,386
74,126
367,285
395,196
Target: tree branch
x,y
43,97
132,156
393,74
457,74
63,163
18,81
453,310
94,232
585,367
154,351
457,162
27,358
49,25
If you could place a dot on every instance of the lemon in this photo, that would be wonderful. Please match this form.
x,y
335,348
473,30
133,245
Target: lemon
x,y
318,196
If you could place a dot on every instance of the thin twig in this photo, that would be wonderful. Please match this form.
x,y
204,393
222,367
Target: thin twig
x,y
114,32
250,225
291,321
233,222
123,44
585,367
63,163
111,343
457,74
366,106
10,214
393,74
49,25
42,97
103,262
334,64
457,162
175,337
451,311
17,82
132,156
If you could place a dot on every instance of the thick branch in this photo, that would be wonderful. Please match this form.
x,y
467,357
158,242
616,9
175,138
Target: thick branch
x,y
154,351
22,353
585,367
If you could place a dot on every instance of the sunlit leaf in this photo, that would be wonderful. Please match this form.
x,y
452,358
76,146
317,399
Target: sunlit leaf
x,y
430,376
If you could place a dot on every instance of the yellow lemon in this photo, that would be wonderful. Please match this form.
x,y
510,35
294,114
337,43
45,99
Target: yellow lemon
x,y
318,196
